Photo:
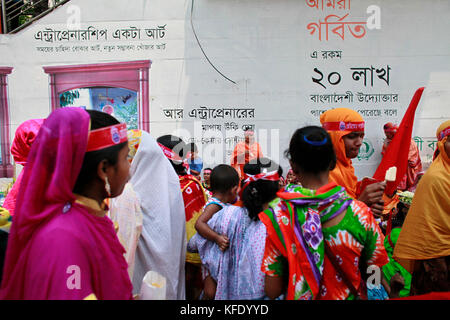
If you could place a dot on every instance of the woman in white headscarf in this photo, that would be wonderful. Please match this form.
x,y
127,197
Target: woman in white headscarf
x,y
162,244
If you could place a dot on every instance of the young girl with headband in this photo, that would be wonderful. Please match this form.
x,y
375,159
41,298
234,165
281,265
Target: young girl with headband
x,y
235,274
316,233
62,245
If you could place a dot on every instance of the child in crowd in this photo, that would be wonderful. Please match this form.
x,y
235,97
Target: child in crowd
x,y
224,188
207,178
195,162
291,178
236,273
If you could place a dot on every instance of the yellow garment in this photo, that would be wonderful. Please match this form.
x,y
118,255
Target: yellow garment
x,y
344,173
190,232
426,230
5,220
134,139
92,206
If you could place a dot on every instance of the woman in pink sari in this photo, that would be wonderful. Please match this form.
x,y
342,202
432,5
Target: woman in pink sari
x,y
61,245
25,135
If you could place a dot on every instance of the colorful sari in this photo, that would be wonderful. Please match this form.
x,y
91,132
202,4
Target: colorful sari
x,y
295,236
58,247
195,199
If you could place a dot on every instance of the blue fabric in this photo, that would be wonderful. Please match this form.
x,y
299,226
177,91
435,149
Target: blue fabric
x,y
376,293
237,271
196,164
214,200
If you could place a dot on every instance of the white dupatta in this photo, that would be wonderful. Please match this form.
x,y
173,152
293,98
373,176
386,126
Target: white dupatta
x,y
162,245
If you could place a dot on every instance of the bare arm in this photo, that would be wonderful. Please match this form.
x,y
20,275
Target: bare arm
x,y
372,196
273,286
201,225
395,286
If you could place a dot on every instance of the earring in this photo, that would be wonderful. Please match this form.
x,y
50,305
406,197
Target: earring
x,y
107,187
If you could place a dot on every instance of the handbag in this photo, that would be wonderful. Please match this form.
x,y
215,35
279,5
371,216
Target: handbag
x,y
342,274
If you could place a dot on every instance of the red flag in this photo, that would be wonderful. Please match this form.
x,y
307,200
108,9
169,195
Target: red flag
x,y
397,151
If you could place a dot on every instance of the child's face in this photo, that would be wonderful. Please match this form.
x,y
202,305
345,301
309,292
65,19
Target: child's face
x,y
291,177
206,176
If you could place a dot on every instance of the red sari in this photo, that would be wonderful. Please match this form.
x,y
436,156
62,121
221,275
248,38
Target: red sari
x,y
194,197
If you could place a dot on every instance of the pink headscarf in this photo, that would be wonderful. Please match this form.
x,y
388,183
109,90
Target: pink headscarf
x,y
25,135
51,231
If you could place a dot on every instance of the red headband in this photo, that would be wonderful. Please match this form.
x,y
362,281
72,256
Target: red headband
x,y
107,137
444,133
248,178
393,130
170,154
173,156
343,126
389,127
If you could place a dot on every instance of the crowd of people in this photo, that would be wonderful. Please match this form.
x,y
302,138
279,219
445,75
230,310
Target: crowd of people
x,y
97,206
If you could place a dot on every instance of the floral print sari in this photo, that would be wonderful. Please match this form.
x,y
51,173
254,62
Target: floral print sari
x,y
296,238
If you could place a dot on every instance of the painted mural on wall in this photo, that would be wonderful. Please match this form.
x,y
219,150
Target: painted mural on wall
x,y
118,102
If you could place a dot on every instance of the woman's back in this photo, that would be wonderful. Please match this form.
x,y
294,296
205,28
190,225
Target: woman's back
x,y
356,240
237,270
354,236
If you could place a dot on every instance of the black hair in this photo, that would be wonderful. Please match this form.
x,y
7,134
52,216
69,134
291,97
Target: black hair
x,y
223,178
192,147
311,149
259,192
179,147
91,159
400,216
207,169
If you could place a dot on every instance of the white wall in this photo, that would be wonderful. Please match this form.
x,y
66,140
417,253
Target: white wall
x,y
265,47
